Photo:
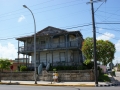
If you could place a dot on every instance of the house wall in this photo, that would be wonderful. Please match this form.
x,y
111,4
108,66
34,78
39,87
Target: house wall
x,y
58,56
55,56
46,42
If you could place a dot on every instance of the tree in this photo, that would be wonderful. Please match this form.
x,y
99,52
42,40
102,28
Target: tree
x,y
105,50
4,64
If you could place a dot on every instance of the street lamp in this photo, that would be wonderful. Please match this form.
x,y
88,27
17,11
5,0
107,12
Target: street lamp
x,y
34,43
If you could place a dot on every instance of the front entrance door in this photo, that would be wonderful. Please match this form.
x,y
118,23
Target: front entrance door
x,y
48,58
62,58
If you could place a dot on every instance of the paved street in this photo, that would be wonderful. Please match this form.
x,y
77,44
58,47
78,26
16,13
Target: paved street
x,y
22,87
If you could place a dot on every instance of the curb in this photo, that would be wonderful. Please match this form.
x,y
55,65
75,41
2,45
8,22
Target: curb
x,y
80,85
108,85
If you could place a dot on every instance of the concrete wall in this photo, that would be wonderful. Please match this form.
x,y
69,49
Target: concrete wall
x,y
24,76
66,75
70,75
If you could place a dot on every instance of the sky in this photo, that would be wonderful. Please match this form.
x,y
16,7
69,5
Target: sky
x,y
71,15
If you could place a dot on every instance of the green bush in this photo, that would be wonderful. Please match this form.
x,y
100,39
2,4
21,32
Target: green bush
x,y
112,73
23,68
104,78
81,67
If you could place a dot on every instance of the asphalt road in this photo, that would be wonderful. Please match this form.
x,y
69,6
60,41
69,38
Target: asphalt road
x,y
21,87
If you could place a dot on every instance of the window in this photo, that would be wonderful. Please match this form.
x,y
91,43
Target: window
x,y
42,42
62,56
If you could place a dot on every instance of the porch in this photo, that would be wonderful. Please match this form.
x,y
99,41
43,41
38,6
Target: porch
x,y
30,47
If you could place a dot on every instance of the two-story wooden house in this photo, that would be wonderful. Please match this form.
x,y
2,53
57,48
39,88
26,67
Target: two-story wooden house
x,y
53,45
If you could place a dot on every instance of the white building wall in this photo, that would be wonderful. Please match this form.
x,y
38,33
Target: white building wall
x,y
46,56
56,56
43,57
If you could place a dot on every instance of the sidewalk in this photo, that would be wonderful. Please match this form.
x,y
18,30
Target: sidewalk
x,y
47,83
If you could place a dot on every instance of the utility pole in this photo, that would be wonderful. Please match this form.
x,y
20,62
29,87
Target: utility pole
x,y
94,41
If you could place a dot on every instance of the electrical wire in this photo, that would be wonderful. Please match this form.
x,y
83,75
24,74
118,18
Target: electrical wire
x,y
107,36
64,29
98,8
22,9
46,7
43,11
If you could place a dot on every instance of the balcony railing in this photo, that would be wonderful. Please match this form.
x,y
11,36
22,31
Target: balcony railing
x,y
50,46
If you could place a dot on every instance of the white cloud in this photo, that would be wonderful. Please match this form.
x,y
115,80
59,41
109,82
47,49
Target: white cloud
x,y
8,51
117,45
21,18
100,29
106,36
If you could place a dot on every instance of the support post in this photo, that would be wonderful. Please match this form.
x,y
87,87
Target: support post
x,y
94,40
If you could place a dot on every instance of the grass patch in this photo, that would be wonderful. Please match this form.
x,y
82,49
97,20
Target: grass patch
x,y
103,78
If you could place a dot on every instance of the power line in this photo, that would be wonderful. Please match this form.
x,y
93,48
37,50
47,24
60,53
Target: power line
x,y
109,13
45,7
22,9
14,36
77,26
98,7
107,35
64,28
65,16
110,29
45,11
107,23
107,20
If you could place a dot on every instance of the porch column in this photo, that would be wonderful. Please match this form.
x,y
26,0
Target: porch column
x,y
78,57
66,48
29,60
77,39
66,40
24,45
52,57
39,57
18,52
51,44
26,59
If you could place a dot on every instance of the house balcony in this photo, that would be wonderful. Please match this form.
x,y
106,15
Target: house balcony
x,y
71,44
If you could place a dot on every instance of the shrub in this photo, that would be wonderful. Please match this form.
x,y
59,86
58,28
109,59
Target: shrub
x,y
113,73
104,78
82,67
23,68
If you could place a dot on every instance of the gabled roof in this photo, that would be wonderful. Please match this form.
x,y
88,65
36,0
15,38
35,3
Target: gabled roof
x,y
48,31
